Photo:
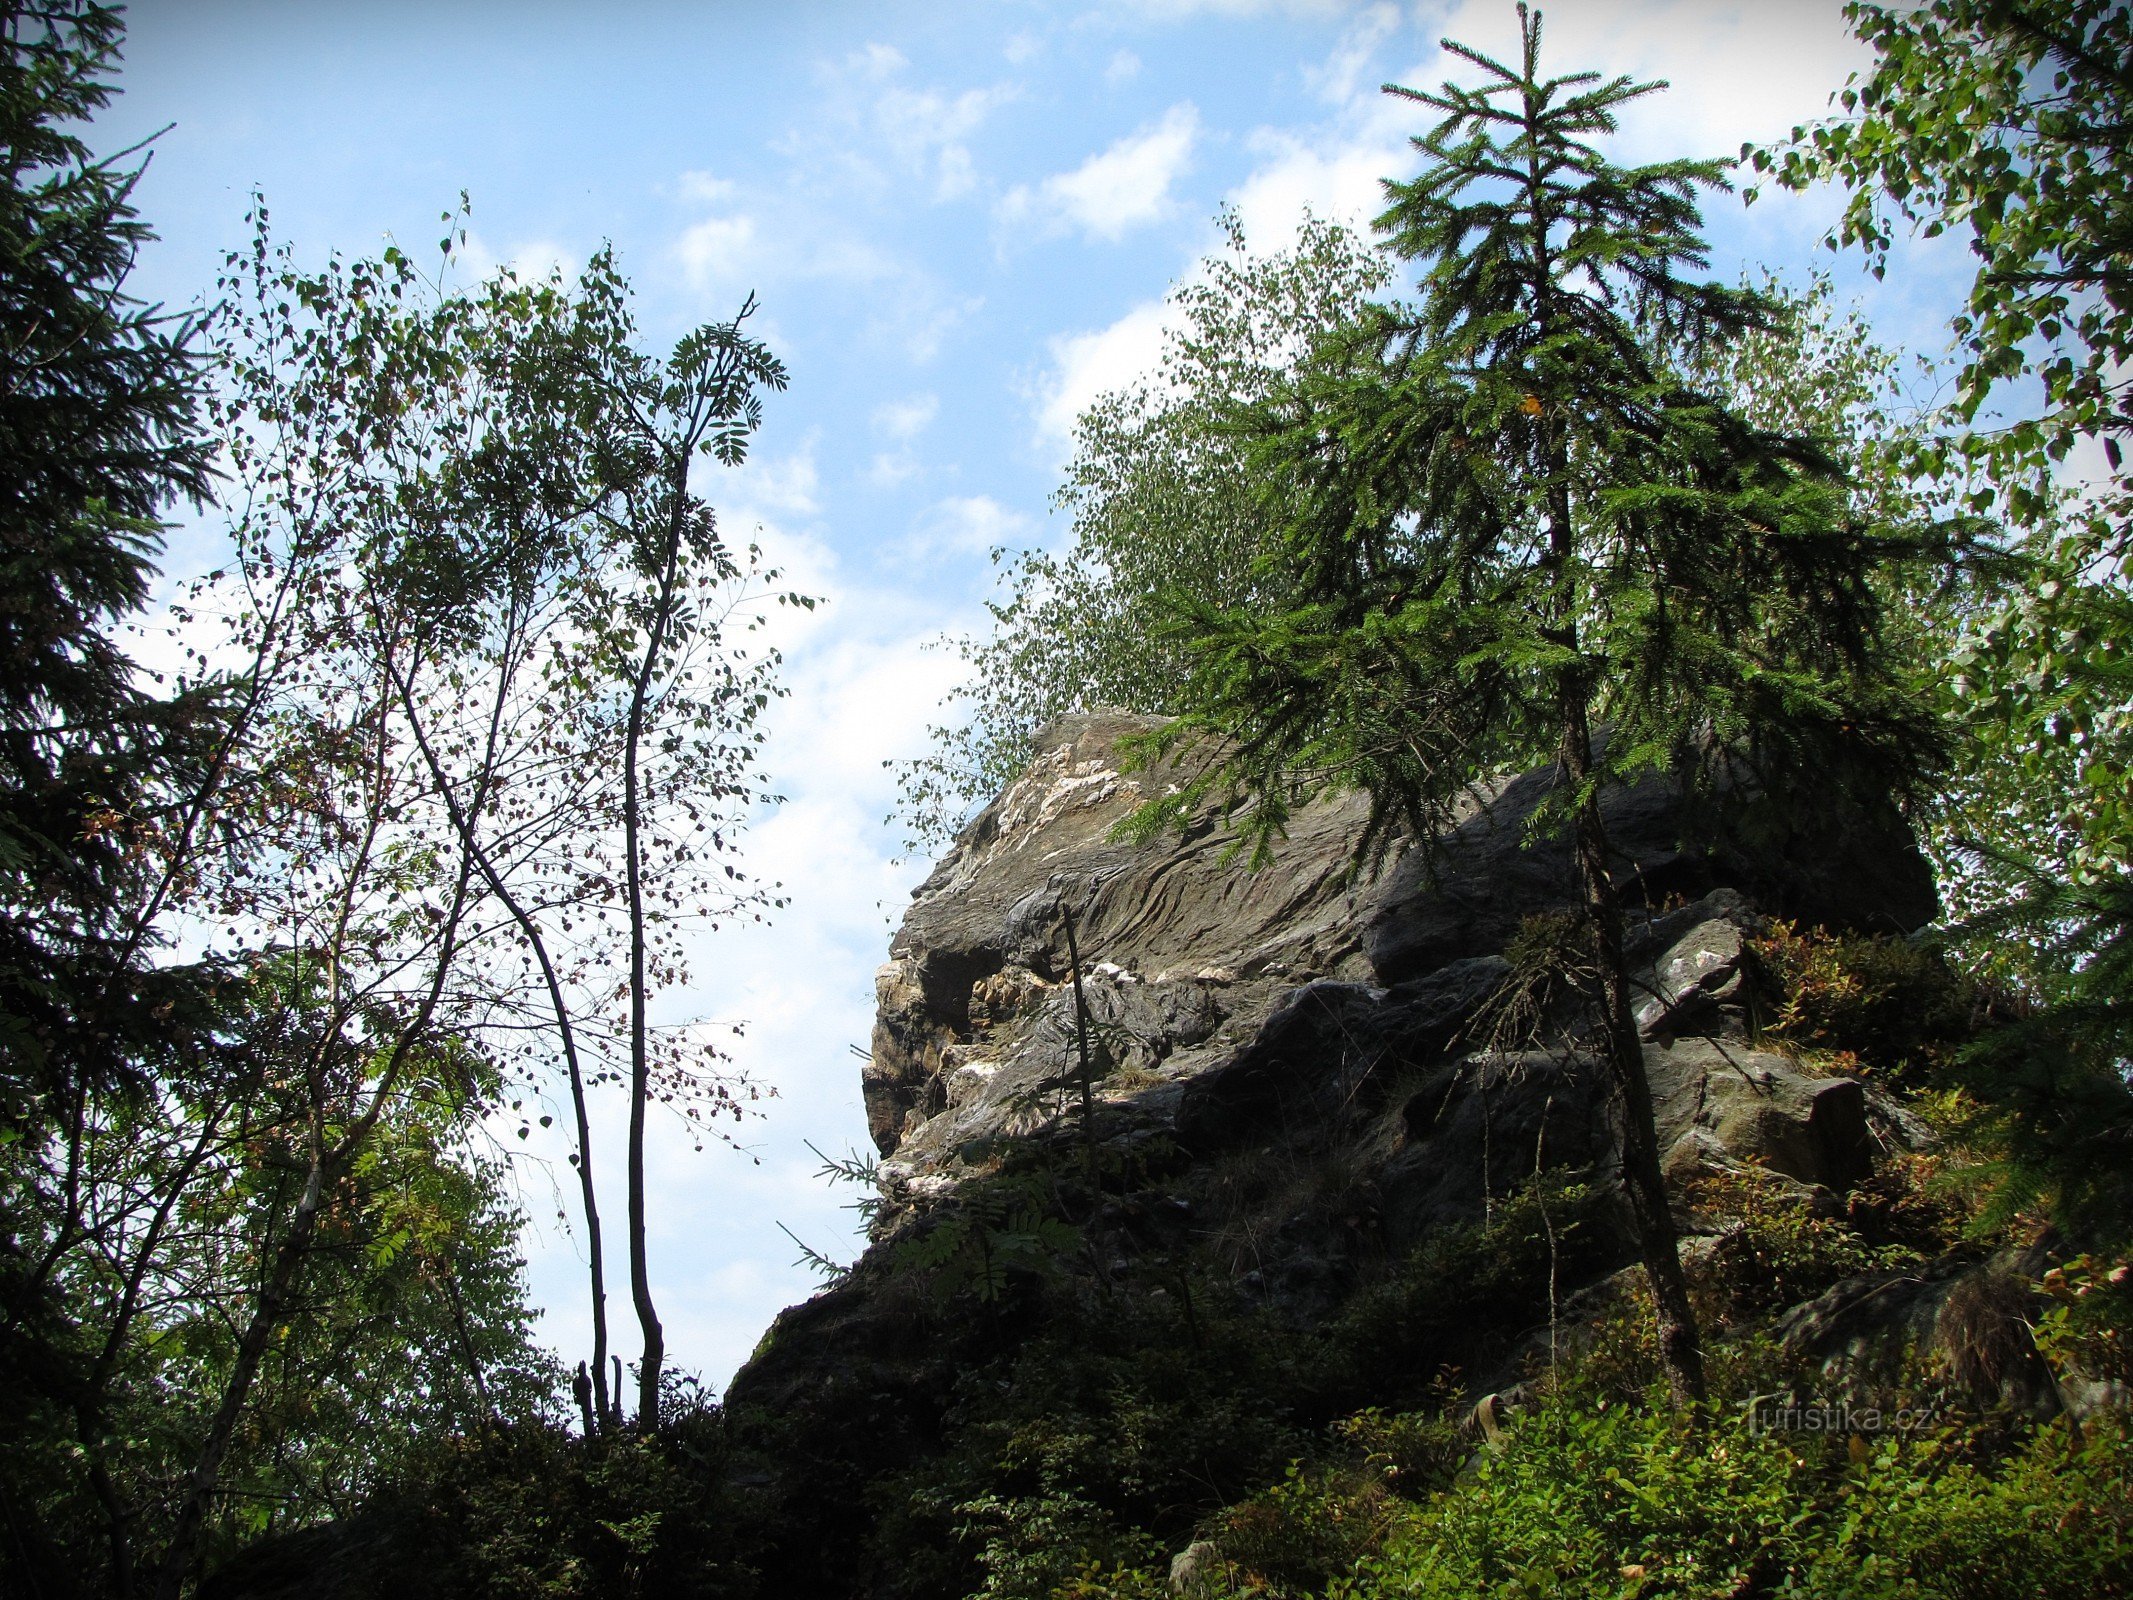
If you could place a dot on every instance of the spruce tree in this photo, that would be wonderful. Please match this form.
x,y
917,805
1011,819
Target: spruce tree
x,y
1511,530
98,435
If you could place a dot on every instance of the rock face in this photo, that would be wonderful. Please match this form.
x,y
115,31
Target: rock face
x,y
1175,936
1381,1036
1222,999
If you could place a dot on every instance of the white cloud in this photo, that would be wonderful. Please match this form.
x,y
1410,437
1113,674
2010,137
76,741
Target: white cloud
x,y
770,240
876,62
1085,365
891,467
1338,177
704,188
1122,188
902,421
964,525
532,260
1744,70
907,418
1738,71
875,126
1185,10
766,487
921,328
926,130
1346,70
719,250
1122,66
1333,169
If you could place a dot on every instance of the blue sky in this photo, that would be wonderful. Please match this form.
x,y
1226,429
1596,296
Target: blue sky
x,y
961,219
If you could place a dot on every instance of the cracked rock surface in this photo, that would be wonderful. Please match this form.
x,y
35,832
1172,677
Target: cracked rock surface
x,y
1313,1019
1312,993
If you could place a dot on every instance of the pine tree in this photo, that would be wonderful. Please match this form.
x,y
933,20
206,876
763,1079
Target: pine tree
x,y
98,435
1511,530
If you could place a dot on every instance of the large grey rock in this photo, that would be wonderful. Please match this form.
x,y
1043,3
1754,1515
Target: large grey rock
x,y
1301,1073
1844,870
983,945
1231,1010
1224,1001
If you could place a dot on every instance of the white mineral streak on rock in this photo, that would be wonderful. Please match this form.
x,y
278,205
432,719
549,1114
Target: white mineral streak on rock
x,y
1055,784
970,1080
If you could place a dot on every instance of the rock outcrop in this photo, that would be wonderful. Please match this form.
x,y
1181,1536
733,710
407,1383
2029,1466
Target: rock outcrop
x,y
1225,1001
1196,968
1312,1093
1380,1049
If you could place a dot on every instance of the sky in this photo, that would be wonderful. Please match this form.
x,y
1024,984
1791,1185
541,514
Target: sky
x,y
961,220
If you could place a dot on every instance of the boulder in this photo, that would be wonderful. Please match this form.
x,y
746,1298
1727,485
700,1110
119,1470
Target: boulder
x,y
1298,1075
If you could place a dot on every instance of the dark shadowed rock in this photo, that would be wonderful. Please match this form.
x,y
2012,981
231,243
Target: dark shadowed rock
x,y
1468,897
1298,1078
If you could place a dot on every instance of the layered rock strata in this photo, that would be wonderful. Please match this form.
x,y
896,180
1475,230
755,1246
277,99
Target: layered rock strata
x,y
1299,1073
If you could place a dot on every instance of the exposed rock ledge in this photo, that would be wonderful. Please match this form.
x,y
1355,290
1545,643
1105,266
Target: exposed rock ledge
x,y
1303,1018
1220,991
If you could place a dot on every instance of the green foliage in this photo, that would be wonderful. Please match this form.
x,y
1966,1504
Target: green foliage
x,y
997,1230
103,434
1588,1492
1505,501
1035,1548
1131,1414
250,1253
1290,1539
1162,499
1873,1004
2040,684
2089,1324
408,1323
2051,1520
1117,1417
531,1513
2052,1087
1621,1502
1778,1248
2006,120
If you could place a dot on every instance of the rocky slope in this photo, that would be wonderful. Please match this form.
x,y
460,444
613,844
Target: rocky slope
x,y
1298,1075
1316,1144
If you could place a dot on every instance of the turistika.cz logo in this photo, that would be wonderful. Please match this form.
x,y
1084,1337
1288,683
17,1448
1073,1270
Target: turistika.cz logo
x,y
1782,1414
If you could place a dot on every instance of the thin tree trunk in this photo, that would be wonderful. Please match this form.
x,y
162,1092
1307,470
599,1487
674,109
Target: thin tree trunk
x,y
566,1030
1680,1344
655,1344
1081,1045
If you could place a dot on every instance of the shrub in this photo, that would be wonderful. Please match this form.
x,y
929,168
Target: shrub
x,y
2089,1326
1872,1004
1625,1501
2053,1519
533,1513
1614,1500
1291,1539
1779,1249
